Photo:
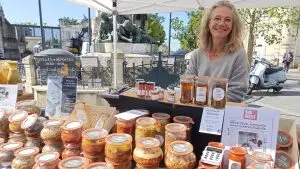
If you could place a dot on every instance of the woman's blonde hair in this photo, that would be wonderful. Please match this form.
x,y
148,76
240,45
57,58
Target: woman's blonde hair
x,y
234,40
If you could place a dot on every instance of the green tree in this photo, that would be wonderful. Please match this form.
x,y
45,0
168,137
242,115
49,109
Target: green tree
x,y
187,35
69,21
155,28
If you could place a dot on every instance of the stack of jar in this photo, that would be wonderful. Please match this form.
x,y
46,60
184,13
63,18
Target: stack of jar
x,y
3,125
162,120
144,89
51,135
118,150
33,126
48,160
147,153
174,131
93,144
188,122
7,151
25,158
28,106
71,138
198,89
16,132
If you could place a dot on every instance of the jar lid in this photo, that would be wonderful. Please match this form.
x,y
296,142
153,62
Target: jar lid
x,y
72,125
260,156
27,152
73,162
143,110
187,77
180,148
26,103
283,160
238,151
161,116
150,83
144,121
148,142
20,116
175,127
53,123
259,165
100,165
11,146
217,145
183,120
29,121
94,134
47,157
284,139
118,138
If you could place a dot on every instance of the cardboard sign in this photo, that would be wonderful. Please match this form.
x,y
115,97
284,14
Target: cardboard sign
x,y
212,121
8,96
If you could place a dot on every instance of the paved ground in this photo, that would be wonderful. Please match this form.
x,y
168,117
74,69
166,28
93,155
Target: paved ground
x,y
287,100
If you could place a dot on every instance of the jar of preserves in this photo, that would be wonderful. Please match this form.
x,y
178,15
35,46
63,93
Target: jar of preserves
x,y
48,160
171,96
3,121
73,162
148,152
71,132
100,165
17,137
174,131
25,158
125,126
32,125
15,121
186,86
188,122
93,141
71,150
118,147
149,88
219,93
201,91
51,130
284,140
141,89
53,146
94,158
260,159
123,165
237,157
162,120
7,152
180,156
145,127
283,160
28,106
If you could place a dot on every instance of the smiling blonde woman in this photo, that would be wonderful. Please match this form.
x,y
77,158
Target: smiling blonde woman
x,y
221,53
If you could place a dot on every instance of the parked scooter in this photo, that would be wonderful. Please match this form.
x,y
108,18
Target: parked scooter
x,y
264,75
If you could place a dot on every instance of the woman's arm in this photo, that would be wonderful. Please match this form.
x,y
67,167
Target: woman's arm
x,y
239,79
192,67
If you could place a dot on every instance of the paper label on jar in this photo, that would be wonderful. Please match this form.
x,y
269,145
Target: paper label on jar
x,y
234,165
180,148
73,124
47,157
27,151
148,142
218,94
73,164
118,139
201,94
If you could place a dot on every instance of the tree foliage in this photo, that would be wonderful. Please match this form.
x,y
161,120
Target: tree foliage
x,y
69,21
155,28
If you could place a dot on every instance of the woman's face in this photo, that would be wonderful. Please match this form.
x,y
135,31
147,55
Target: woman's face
x,y
221,21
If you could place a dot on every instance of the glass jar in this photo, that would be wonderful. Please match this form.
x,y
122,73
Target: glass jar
x,y
47,160
174,131
3,121
25,158
137,84
100,165
283,160
141,89
71,150
32,125
93,141
7,152
145,127
260,159
180,156
201,91
51,130
17,137
149,88
94,158
15,121
118,147
219,93
73,162
125,126
188,122
237,157
33,142
123,165
53,146
71,132
28,106
148,152
162,120
186,86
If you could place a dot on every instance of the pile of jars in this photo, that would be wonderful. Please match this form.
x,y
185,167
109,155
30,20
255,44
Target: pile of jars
x,y
198,89
51,135
32,126
16,132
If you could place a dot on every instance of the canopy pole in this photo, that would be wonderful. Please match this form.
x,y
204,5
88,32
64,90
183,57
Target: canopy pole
x,y
115,42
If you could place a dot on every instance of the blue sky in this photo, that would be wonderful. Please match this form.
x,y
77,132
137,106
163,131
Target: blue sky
x,y
20,11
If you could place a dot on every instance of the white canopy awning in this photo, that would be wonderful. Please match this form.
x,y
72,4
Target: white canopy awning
x,y
157,6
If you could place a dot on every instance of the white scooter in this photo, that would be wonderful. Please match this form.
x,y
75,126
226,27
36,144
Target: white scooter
x,y
263,75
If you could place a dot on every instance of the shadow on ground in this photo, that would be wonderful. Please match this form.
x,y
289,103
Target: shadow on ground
x,y
271,94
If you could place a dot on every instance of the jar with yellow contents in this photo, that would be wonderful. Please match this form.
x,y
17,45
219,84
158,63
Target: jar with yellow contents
x,y
145,127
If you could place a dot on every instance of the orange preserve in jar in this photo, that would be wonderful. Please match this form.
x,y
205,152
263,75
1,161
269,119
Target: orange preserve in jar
x,y
71,132
201,91
237,157
180,156
125,126
148,152
93,141
118,147
73,162
48,160
174,131
145,127
186,85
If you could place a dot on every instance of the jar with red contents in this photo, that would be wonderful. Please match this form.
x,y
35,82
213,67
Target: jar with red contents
x,y
141,92
71,132
125,126
149,88
237,157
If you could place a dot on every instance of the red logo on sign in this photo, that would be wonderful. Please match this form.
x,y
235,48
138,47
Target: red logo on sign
x,y
250,114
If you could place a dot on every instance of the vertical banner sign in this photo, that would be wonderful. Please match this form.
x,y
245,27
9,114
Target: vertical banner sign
x,y
69,93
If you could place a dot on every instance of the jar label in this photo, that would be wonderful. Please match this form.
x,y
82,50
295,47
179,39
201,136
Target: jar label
x,y
234,165
12,145
73,163
27,151
148,142
180,148
47,157
218,94
282,161
201,93
73,124
118,139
